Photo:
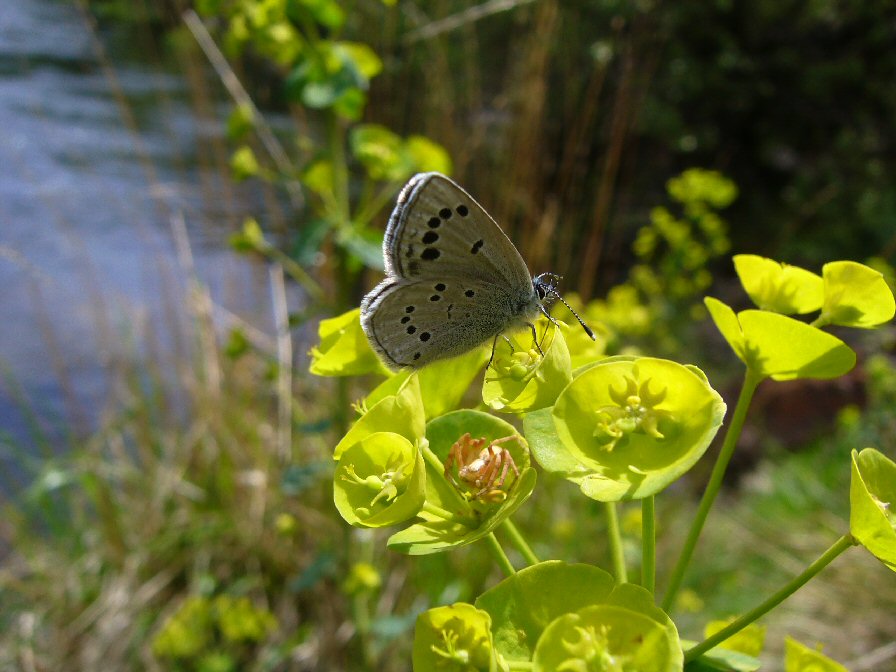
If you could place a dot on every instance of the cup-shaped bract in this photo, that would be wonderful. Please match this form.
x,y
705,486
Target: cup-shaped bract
x,y
461,508
344,349
605,637
379,481
855,295
442,383
534,605
401,413
780,347
519,379
778,287
800,658
454,638
872,504
630,426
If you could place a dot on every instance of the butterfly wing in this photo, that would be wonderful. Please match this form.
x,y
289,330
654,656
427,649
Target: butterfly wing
x,y
438,230
411,322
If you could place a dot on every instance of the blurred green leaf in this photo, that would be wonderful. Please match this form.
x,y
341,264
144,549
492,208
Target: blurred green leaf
x,y
240,122
243,163
800,658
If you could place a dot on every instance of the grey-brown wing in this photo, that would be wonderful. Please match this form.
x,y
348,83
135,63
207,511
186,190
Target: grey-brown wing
x,y
412,322
438,230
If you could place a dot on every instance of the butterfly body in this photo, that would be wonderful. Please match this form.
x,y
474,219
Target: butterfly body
x,y
453,278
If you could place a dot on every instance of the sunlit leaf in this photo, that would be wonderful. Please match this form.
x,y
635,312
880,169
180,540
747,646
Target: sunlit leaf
x,y
855,296
779,287
343,349
781,347
872,504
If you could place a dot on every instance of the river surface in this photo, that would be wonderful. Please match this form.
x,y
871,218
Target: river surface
x,y
101,150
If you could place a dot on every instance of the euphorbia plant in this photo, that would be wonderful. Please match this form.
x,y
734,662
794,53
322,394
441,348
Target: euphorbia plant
x,y
620,428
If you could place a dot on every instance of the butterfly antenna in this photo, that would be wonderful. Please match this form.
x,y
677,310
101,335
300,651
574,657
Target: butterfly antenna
x,y
544,287
581,321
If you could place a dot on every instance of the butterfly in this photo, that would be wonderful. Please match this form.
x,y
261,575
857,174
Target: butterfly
x,y
453,280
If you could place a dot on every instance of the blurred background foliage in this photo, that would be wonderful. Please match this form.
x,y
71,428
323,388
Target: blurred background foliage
x,y
567,119
629,145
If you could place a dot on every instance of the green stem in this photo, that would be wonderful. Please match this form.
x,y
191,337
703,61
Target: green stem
x,y
751,381
432,459
499,555
615,539
786,591
445,514
648,543
519,542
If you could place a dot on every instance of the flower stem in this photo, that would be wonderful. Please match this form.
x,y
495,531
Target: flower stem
x,y
648,543
445,514
786,591
751,381
499,555
519,542
615,540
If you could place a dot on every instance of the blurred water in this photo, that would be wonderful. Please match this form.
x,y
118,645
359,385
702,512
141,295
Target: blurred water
x,y
85,227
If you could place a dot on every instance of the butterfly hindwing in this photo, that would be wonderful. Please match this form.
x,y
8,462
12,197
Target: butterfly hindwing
x,y
438,230
411,322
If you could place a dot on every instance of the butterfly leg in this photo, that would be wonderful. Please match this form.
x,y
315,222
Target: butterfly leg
x,y
494,344
535,338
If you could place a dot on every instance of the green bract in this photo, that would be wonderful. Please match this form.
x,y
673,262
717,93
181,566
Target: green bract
x,y
855,296
872,504
400,414
582,350
442,383
604,637
454,516
454,639
780,347
343,349
540,611
627,427
800,658
379,481
779,287
520,379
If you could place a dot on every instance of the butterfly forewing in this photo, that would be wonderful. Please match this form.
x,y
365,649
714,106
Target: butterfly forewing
x,y
439,230
412,322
